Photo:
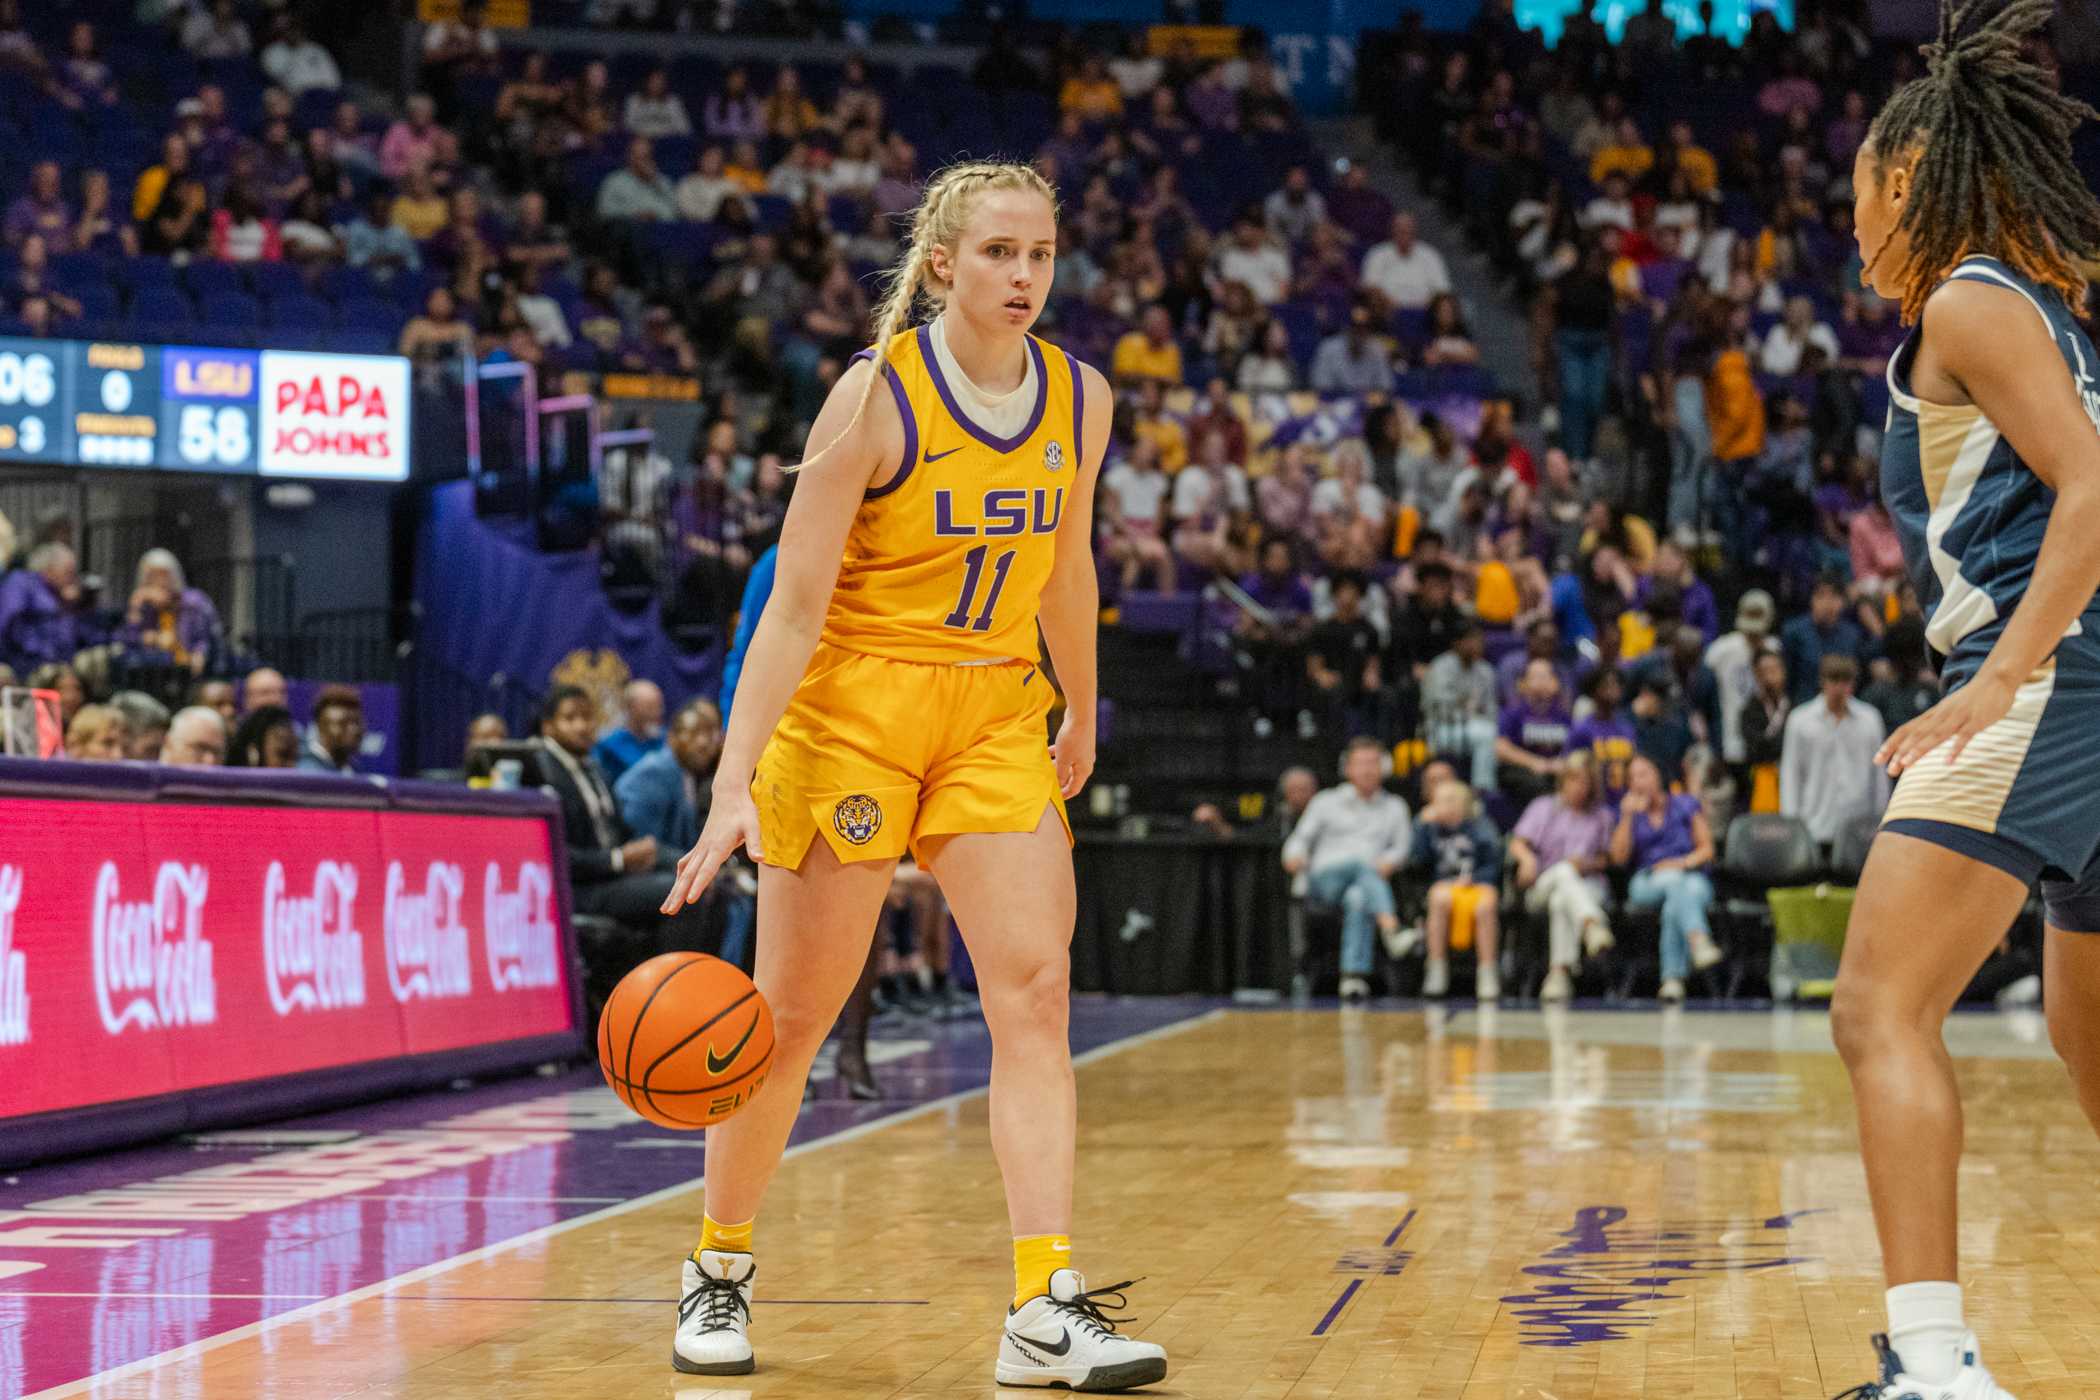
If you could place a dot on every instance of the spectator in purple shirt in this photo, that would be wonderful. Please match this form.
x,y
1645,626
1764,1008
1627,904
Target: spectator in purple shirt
x,y
1363,213
38,622
42,209
1695,600
1665,839
1560,849
1867,334
1848,132
1541,643
734,113
1531,737
1661,277
1274,644
167,615
1605,733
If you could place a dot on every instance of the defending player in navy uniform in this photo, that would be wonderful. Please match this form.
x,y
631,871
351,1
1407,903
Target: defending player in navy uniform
x,y
1971,214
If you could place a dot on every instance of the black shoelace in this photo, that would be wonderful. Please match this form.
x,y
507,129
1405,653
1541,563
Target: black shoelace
x,y
718,1301
1090,1309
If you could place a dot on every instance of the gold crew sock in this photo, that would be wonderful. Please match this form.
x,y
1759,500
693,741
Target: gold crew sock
x,y
1036,1257
728,1239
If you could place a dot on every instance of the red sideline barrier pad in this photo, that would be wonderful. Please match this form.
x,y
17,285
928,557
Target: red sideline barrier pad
x,y
154,948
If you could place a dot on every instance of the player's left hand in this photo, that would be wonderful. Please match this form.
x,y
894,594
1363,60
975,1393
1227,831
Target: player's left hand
x,y
1073,753
1960,717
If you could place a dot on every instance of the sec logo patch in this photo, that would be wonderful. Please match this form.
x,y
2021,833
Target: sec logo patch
x,y
1053,455
857,818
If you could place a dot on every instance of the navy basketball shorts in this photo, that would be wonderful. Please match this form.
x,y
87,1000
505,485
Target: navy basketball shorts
x,y
2025,794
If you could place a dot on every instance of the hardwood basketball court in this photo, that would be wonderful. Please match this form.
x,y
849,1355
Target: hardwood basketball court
x,y
1390,1204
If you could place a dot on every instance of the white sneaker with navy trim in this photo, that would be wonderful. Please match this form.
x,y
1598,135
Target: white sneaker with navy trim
x,y
1065,1338
1973,1382
714,1315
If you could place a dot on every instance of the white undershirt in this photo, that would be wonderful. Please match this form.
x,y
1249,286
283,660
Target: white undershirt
x,y
1001,415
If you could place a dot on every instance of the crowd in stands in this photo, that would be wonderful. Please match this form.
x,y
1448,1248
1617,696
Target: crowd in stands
x,y
1530,595
1713,381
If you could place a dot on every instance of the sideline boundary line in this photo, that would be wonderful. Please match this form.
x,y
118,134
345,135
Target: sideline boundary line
x,y
204,1345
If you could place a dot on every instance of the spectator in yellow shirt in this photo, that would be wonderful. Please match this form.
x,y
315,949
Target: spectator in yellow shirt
x,y
419,210
1150,352
1625,154
155,179
1150,422
744,168
1092,93
1694,159
1735,411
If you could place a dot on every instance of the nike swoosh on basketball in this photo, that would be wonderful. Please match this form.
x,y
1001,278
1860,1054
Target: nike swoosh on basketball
x,y
936,456
717,1065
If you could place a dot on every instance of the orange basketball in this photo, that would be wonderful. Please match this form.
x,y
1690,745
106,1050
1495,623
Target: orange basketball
x,y
686,1040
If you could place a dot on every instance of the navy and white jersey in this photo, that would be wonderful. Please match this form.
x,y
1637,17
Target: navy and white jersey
x,y
1970,513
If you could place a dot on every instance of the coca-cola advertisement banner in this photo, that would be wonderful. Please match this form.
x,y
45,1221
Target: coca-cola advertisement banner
x,y
153,948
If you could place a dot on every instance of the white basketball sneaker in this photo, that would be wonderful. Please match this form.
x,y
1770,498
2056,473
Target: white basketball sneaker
x,y
1974,1383
1436,978
1064,1338
714,1315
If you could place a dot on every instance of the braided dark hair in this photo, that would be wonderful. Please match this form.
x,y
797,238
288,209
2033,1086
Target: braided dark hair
x,y
1994,172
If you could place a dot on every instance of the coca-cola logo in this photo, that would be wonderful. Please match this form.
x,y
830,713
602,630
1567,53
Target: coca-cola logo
x,y
14,966
426,944
518,928
153,964
313,955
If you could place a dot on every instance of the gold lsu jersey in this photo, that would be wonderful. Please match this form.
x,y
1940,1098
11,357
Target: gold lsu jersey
x,y
947,560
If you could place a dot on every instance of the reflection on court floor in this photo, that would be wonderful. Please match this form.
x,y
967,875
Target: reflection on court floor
x,y
1391,1203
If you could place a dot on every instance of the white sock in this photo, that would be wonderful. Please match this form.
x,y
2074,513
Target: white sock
x,y
1927,1331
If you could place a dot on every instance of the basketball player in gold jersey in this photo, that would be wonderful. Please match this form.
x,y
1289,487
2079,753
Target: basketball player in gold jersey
x,y
891,701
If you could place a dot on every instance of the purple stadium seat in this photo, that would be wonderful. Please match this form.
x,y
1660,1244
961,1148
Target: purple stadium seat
x,y
98,303
207,280
144,271
161,311
1159,612
299,313
369,314
233,311
272,281
343,282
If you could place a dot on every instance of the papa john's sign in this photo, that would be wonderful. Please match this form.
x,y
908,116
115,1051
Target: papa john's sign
x,y
148,948
342,416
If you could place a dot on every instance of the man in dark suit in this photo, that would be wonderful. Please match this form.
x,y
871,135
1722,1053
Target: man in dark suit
x,y
612,871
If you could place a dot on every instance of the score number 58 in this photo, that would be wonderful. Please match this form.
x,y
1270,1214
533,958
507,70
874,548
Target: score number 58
x,y
204,434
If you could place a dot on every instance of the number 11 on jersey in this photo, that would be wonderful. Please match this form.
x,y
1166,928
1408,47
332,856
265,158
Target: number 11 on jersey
x,y
972,576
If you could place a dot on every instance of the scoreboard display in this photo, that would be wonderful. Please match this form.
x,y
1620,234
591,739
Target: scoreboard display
x,y
182,408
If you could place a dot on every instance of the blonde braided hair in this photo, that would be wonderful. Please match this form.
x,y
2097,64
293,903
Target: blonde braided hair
x,y
943,213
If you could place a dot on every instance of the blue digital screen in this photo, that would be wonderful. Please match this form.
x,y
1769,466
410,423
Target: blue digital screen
x,y
1730,20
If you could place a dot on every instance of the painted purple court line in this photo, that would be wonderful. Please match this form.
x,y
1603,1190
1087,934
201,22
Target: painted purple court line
x,y
1336,1311
1349,1291
164,1248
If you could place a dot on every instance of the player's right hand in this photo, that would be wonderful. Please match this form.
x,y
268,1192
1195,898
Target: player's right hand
x,y
731,822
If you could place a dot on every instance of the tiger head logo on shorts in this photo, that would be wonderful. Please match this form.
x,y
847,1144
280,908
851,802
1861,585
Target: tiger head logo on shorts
x,y
857,818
